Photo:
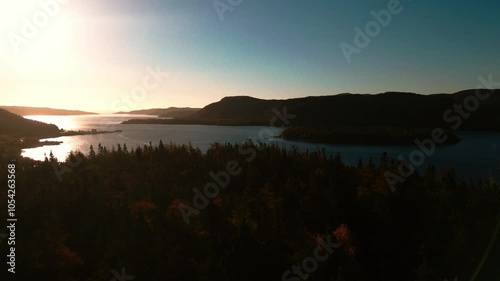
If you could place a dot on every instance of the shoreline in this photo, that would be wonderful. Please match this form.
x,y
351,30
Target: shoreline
x,y
34,142
335,136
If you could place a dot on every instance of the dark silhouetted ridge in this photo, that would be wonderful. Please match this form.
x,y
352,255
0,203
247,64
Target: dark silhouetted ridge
x,y
390,109
12,124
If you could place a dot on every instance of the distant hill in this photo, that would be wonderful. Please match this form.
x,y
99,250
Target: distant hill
x,y
180,113
174,112
25,111
390,110
15,125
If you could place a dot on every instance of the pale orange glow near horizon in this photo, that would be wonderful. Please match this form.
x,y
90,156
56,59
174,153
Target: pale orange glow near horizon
x,y
74,63
91,55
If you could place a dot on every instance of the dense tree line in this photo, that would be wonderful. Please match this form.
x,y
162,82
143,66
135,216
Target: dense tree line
x,y
119,207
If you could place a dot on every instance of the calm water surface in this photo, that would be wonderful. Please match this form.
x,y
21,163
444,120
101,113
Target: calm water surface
x,y
476,156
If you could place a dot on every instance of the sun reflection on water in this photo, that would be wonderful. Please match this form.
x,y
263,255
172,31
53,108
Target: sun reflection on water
x,y
63,122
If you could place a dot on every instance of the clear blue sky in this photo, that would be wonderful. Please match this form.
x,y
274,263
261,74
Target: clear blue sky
x,y
96,51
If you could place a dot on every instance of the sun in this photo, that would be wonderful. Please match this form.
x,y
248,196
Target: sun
x,y
13,11
52,48
38,32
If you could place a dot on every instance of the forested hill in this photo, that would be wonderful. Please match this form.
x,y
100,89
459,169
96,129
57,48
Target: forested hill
x,y
25,110
391,109
15,125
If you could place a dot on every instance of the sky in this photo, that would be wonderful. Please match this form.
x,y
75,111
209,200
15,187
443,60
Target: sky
x,y
111,55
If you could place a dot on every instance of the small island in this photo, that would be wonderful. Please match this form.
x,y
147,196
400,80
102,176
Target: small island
x,y
33,142
185,121
363,136
83,132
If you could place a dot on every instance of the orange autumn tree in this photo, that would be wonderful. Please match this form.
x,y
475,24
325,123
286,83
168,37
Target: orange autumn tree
x,y
346,238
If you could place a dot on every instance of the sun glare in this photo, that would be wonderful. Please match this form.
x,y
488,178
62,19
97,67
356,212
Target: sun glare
x,y
13,11
63,122
54,48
